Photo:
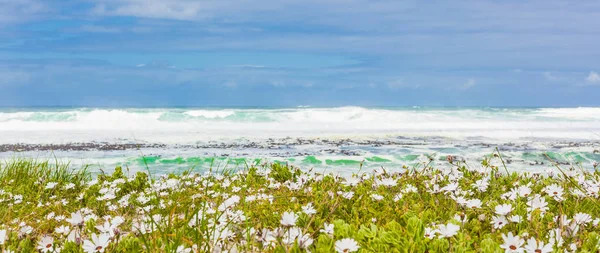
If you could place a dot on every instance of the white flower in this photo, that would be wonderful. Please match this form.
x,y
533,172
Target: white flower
x,y
295,234
351,181
398,197
499,222
524,191
474,203
573,247
183,249
107,228
97,244
596,222
555,191
450,187
533,246
556,237
50,216
266,236
346,245
347,195
410,188
327,229
481,185
462,218
376,197
25,230
288,219
430,232
515,218
142,199
46,244
228,203
511,195
386,182
76,219
537,202
62,230
50,185
146,227
448,230
460,200
503,210
69,186
3,236
582,218
512,243
309,209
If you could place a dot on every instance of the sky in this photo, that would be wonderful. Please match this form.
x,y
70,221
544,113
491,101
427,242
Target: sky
x,y
292,52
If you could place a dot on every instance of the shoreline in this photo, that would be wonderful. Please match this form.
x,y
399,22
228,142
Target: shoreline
x,y
279,143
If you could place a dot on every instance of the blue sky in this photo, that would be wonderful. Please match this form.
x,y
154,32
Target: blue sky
x,y
292,52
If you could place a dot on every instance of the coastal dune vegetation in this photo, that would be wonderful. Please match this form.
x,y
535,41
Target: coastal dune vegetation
x,y
275,207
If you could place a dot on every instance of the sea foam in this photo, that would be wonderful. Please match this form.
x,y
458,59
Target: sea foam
x,y
183,125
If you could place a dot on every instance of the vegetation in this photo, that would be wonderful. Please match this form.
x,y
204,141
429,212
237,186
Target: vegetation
x,y
278,208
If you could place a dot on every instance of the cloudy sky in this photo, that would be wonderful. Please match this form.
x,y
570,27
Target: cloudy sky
x,y
299,52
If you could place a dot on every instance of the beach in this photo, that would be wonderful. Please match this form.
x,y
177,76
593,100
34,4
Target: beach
x,y
337,139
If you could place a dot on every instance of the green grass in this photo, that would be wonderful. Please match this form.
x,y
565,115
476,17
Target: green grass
x,y
242,210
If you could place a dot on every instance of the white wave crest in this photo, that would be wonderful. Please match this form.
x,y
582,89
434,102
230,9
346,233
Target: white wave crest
x,y
191,125
211,114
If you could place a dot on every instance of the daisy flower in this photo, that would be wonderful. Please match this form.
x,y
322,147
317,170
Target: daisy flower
x,y
97,244
346,245
46,244
533,246
327,229
448,230
288,219
512,243
503,210
499,222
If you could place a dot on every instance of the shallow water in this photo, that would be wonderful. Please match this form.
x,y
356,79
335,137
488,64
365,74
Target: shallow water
x,y
339,139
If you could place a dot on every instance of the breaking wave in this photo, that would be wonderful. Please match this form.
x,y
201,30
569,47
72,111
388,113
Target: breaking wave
x,y
193,124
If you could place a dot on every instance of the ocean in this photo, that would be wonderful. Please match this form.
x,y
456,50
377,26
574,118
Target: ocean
x,y
339,139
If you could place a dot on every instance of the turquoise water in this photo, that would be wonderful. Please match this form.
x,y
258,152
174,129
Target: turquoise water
x,y
339,138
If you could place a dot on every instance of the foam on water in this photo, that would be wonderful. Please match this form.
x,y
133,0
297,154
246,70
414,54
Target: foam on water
x,y
341,139
177,125
210,114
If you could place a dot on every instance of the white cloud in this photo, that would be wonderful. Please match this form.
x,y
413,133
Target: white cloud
x,y
469,84
230,84
277,83
15,11
247,66
176,9
11,77
548,76
396,84
99,29
593,77
308,84
400,84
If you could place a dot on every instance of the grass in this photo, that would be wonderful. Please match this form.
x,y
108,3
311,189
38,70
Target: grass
x,y
279,208
27,173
